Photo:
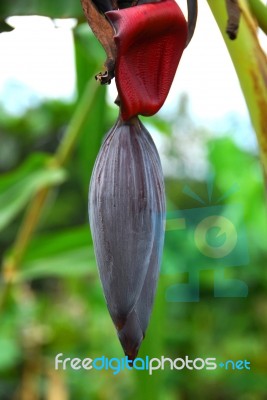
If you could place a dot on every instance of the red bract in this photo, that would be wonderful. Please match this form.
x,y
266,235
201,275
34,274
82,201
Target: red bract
x,y
150,40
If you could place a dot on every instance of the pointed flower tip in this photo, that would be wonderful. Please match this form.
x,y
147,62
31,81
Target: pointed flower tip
x,y
131,336
130,345
132,357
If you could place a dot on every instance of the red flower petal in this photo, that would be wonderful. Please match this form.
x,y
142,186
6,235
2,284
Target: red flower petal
x,y
150,40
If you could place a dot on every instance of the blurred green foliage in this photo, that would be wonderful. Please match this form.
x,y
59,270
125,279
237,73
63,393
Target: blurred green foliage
x,y
58,9
56,305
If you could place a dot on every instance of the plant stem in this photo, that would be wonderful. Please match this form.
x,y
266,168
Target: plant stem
x,y
27,228
259,10
76,124
251,67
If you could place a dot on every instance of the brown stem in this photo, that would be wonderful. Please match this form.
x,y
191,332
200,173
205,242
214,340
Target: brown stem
x,y
192,7
233,11
103,30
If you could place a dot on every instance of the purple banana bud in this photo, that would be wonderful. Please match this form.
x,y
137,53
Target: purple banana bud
x,y
127,213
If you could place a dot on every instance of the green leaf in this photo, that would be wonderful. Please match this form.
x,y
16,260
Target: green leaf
x,y
17,188
50,8
4,27
55,242
259,10
65,253
10,352
71,263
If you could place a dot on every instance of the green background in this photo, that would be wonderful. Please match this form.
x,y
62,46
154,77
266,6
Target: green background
x,y
55,304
